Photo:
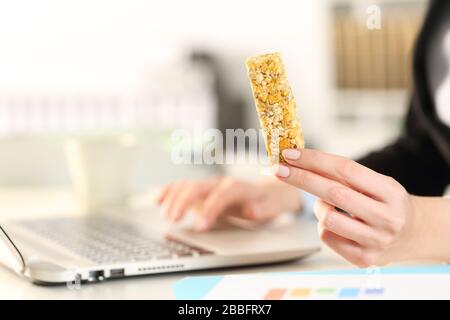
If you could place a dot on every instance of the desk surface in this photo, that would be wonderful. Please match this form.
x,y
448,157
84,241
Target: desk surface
x,y
13,204
146,287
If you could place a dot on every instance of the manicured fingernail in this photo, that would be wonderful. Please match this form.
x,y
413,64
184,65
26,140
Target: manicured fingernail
x,y
280,170
291,154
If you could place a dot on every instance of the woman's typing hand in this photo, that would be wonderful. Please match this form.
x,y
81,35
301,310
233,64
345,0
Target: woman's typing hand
x,y
258,201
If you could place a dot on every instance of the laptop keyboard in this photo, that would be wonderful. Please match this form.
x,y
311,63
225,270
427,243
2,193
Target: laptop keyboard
x,y
105,240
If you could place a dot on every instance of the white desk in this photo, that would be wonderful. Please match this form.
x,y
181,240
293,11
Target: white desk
x,y
27,202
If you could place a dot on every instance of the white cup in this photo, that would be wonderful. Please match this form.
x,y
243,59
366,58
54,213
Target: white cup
x,y
100,170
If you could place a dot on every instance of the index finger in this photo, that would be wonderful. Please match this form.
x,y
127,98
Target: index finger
x,y
342,170
225,195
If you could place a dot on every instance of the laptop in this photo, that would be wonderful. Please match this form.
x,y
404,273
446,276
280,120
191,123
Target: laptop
x,y
99,247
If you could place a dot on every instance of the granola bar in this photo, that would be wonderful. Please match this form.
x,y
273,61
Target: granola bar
x,y
275,105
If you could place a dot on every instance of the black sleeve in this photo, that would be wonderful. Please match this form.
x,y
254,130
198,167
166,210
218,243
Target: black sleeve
x,y
413,160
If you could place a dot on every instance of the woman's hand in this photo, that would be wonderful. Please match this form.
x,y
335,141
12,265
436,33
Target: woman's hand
x,y
382,224
218,196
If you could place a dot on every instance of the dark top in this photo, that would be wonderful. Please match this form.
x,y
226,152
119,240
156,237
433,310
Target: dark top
x,y
420,158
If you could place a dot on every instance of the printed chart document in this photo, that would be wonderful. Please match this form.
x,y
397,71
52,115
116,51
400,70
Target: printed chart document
x,y
431,282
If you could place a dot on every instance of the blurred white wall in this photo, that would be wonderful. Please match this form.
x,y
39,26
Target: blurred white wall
x,y
104,46
123,47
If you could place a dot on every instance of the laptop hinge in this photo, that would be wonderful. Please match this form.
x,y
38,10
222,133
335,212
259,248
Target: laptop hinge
x,y
10,254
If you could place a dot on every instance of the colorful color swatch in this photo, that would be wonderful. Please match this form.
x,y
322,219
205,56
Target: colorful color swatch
x,y
325,291
275,294
348,293
374,291
300,292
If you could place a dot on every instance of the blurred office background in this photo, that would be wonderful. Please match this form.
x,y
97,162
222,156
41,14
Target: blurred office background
x,y
83,68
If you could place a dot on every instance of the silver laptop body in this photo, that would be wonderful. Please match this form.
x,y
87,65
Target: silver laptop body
x,y
105,246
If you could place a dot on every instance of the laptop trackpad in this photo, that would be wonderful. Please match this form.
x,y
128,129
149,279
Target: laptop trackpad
x,y
237,236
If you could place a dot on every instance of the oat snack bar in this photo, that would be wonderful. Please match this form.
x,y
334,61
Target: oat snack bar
x,y
275,105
